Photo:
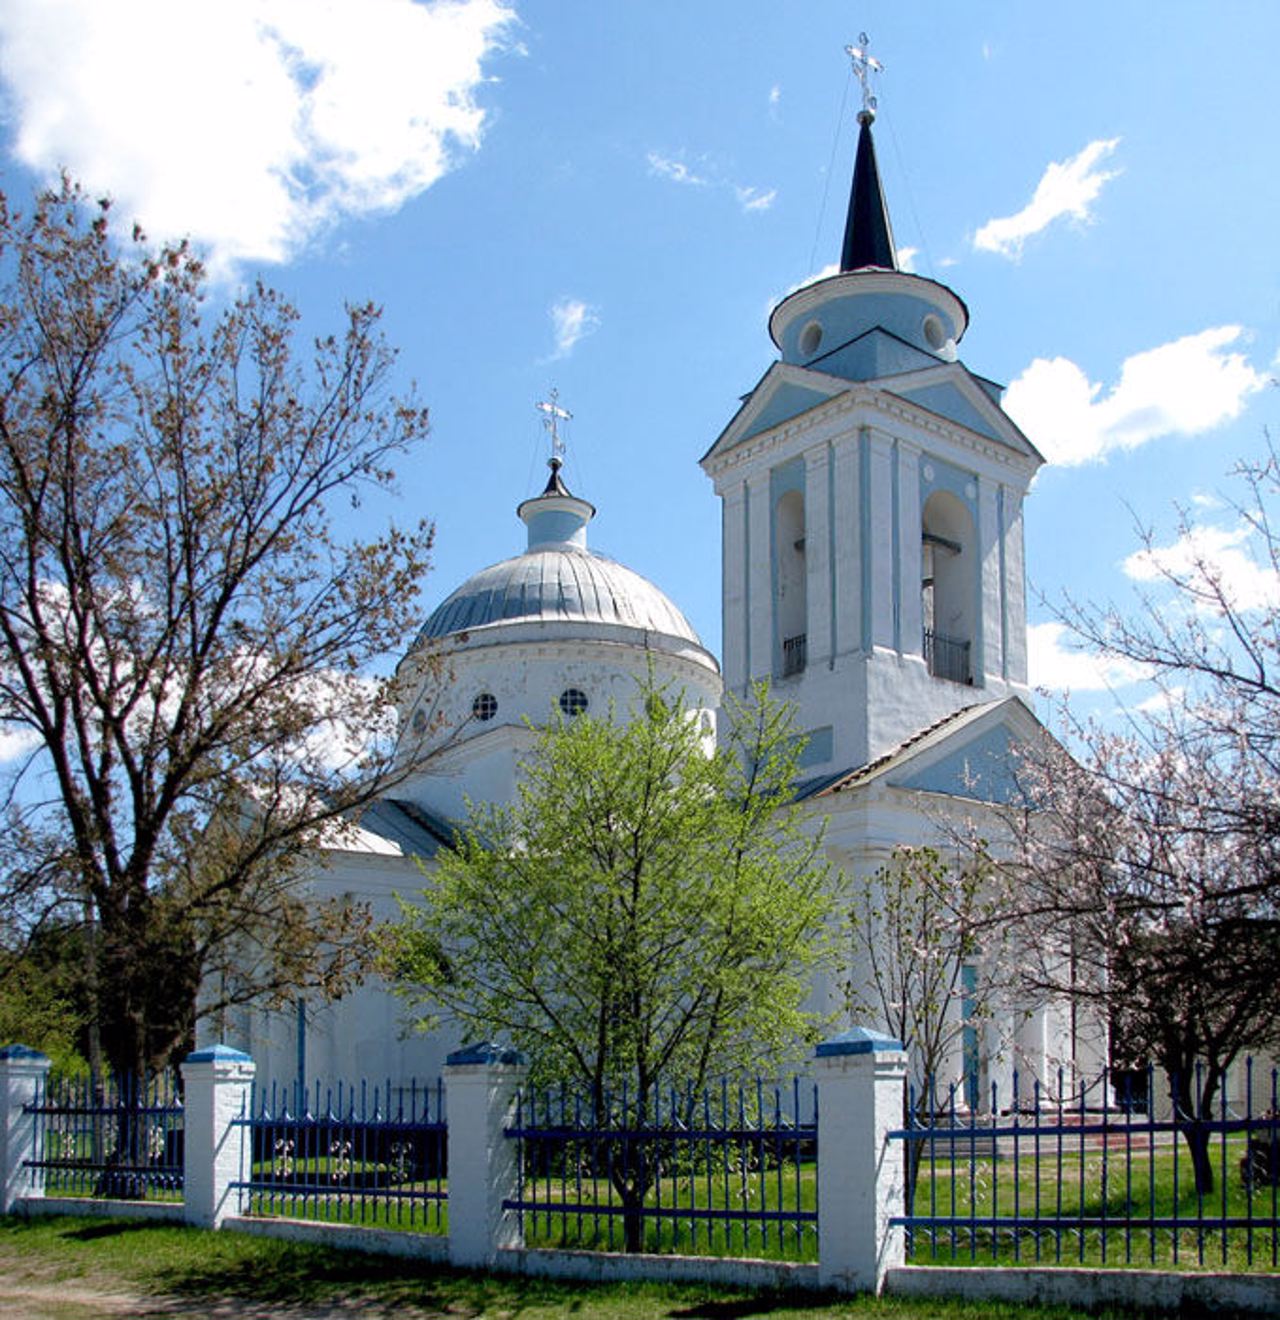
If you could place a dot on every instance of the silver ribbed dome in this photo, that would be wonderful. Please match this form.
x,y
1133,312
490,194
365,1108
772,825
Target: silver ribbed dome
x,y
558,583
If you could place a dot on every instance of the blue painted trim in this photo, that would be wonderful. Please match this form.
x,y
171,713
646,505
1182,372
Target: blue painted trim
x,y
218,1054
24,1053
746,584
487,1052
980,587
1001,531
831,549
895,494
864,535
858,1040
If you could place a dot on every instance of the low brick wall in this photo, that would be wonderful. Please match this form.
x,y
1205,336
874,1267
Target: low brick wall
x,y
615,1267
346,1237
1165,1290
164,1212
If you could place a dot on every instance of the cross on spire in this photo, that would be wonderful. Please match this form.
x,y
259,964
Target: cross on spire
x,y
864,65
552,415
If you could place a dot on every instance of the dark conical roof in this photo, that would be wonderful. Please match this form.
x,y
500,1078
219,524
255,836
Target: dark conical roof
x,y
868,235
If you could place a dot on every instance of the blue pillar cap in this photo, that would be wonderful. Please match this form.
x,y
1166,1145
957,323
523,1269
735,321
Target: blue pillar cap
x,y
12,1053
487,1052
858,1040
218,1054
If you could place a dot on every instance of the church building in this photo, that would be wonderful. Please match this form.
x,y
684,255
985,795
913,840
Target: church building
x,y
872,494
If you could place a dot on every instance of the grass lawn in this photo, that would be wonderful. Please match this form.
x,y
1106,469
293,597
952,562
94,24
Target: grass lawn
x,y
1114,1191
75,1269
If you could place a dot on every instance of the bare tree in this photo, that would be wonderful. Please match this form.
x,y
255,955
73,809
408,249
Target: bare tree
x,y
922,927
1142,891
185,635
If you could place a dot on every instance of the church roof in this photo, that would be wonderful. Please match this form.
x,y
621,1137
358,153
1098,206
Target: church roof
x,y
868,235
558,583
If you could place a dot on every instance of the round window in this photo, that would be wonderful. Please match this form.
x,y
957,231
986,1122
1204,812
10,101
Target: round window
x,y
419,721
810,338
485,706
573,701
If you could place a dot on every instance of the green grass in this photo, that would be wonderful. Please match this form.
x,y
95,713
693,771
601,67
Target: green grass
x,y
1149,1184
70,1269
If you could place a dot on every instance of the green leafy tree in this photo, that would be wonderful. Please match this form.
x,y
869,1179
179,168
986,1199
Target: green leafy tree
x,y
647,909
185,636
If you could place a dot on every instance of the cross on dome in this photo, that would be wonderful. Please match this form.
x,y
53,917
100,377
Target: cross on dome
x,y
552,415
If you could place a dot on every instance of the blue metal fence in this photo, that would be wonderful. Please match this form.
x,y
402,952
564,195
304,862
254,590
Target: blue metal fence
x,y
1069,1176
731,1171
119,1138
348,1154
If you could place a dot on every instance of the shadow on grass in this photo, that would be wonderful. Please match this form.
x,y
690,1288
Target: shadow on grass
x,y
110,1228
764,1303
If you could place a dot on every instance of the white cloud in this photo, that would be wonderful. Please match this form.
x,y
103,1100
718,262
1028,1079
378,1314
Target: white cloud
x,y
752,199
248,126
16,741
677,170
667,167
1054,662
571,320
1067,188
1212,560
1185,387
775,96
907,259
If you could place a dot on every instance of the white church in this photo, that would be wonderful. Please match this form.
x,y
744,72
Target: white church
x,y
871,492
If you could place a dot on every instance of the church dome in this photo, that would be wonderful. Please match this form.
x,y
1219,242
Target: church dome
x,y
554,584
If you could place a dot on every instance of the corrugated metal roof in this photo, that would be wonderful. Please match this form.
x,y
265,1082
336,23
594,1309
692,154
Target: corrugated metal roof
x,y
558,583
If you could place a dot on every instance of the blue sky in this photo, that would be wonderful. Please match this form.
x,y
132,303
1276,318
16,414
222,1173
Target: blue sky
x,y
607,198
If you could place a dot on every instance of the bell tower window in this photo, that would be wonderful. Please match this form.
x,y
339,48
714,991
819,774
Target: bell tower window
x,y
948,564
790,577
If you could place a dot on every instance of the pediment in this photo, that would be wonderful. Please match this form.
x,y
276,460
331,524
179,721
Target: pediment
x,y
783,392
951,390
971,754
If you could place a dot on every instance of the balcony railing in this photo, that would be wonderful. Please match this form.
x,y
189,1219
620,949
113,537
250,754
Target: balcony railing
x,y
794,653
947,657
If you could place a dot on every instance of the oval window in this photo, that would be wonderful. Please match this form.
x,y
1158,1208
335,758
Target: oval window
x,y
485,706
810,338
573,701
935,333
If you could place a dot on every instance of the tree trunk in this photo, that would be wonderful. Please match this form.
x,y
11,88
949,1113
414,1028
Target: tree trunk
x,y
1189,1111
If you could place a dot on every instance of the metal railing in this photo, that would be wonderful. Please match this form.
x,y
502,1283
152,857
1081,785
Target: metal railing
x,y
118,1138
1066,1177
947,657
728,1172
795,653
347,1154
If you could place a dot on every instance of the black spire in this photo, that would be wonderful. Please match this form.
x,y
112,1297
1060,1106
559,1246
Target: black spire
x,y
868,236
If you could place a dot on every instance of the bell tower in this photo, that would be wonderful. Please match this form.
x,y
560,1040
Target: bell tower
x,y
872,490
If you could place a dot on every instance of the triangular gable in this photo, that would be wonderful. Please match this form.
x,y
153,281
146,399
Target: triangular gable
x,y
783,392
969,754
952,391
873,354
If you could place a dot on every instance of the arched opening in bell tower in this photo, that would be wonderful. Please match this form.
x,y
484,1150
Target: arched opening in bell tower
x,y
949,564
791,605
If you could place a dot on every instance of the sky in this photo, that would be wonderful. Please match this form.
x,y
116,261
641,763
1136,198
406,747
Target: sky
x,y
607,199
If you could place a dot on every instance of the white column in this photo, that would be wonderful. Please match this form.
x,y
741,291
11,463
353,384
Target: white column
x,y
22,1077
911,623
861,1172
759,579
879,498
733,581
817,554
481,1083
217,1151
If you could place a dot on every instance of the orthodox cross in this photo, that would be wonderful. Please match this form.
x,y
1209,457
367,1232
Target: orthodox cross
x,y
552,415
864,65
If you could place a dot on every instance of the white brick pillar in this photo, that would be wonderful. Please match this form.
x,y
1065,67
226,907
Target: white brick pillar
x,y
22,1077
481,1083
861,1173
217,1090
